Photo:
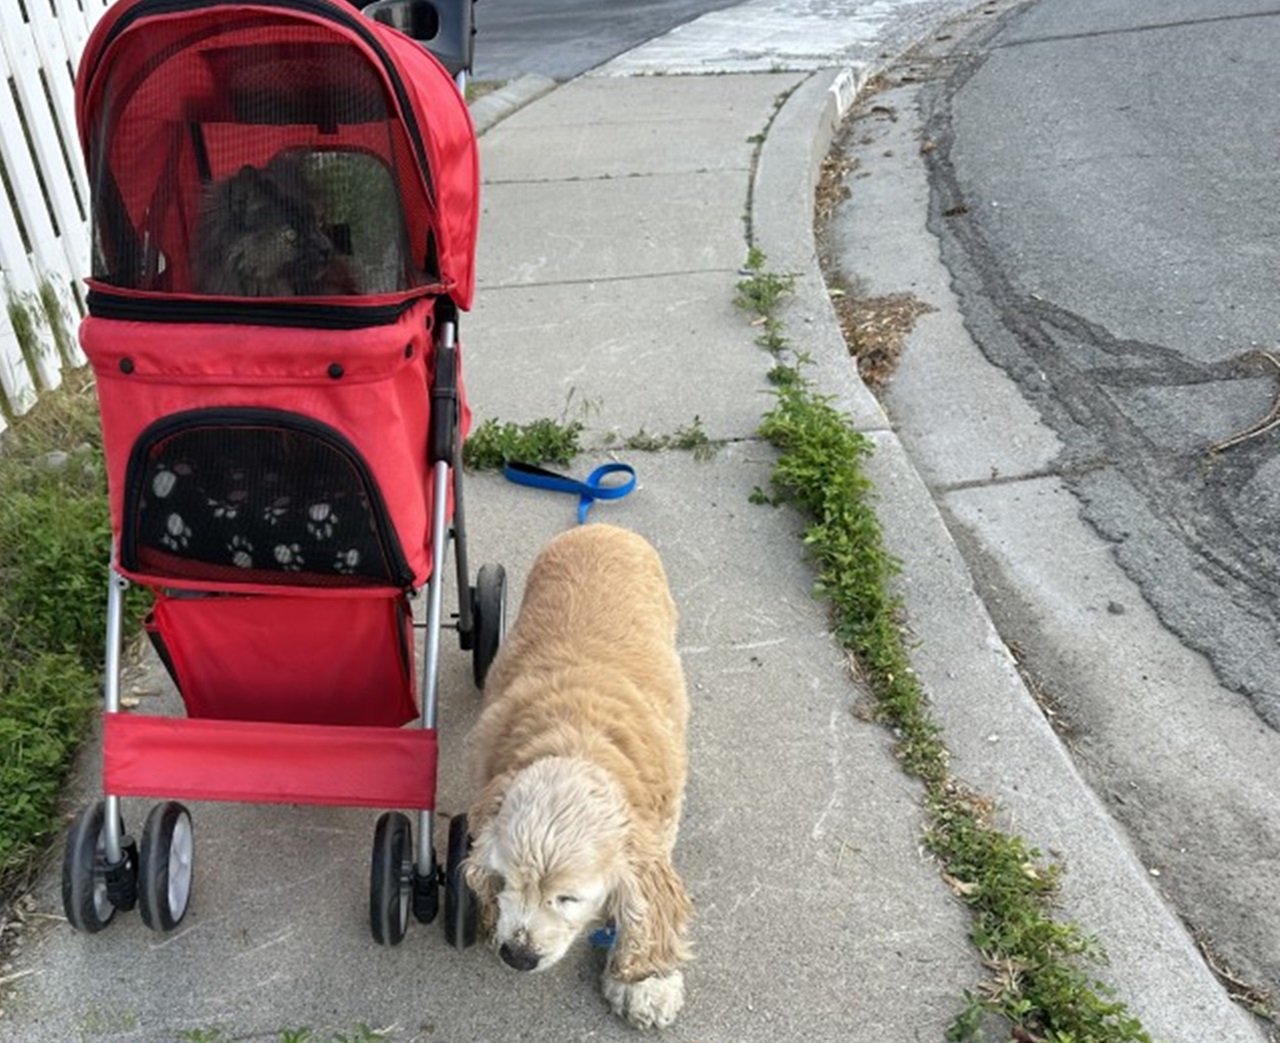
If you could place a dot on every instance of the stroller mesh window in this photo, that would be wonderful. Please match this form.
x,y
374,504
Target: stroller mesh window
x,y
234,167
239,496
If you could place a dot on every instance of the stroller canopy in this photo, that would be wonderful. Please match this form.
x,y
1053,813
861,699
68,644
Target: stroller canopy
x,y
178,97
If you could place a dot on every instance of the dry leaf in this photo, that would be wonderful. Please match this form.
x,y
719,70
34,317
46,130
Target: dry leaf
x,y
960,888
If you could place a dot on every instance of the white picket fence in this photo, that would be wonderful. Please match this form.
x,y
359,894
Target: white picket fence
x,y
44,204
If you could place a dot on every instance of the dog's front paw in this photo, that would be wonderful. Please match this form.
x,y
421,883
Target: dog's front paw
x,y
649,1003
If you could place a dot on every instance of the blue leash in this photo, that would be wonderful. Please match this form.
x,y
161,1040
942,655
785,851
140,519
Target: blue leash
x,y
587,491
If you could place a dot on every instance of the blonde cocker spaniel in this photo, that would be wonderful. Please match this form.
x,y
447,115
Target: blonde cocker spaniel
x,y
579,760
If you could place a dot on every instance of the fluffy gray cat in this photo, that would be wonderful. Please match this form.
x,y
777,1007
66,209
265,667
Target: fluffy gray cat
x,y
260,236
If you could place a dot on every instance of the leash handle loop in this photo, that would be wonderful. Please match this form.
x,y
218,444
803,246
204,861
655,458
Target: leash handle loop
x,y
588,491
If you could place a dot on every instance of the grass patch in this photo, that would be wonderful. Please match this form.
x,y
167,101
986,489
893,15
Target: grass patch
x,y
57,321
25,316
55,542
477,89
493,445
691,438
1040,979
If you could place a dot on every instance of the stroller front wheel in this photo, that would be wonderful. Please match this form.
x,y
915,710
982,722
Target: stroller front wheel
x,y
166,866
89,898
390,872
459,899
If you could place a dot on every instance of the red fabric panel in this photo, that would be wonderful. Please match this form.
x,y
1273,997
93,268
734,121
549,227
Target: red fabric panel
x,y
442,113
166,757
380,403
291,659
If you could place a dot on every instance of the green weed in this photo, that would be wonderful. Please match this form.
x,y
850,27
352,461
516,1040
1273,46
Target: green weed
x,y
492,445
761,292
1039,981
25,317
691,438
57,320
107,1021
477,89
55,542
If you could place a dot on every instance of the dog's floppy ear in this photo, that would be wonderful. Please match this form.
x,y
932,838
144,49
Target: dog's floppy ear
x,y
486,885
488,803
483,881
651,909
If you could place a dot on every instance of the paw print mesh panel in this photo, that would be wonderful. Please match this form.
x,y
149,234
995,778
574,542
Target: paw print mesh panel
x,y
255,496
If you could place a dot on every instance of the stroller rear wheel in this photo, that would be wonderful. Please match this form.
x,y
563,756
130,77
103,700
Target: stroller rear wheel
x,y
165,866
489,611
459,899
92,891
390,873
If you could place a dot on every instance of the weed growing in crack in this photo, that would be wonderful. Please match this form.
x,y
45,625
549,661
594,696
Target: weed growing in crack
x,y
493,445
1040,979
691,438
761,291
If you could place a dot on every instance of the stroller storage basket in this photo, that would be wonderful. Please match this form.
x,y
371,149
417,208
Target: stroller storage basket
x,y
305,660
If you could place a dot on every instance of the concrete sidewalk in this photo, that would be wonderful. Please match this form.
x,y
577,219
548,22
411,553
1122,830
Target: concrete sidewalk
x,y
614,225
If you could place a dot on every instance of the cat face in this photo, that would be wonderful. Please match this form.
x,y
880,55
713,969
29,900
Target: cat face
x,y
260,236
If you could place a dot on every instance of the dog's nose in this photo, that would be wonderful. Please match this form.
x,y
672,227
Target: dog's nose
x,y
516,956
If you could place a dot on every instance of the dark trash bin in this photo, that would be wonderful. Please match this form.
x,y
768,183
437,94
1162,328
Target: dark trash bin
x,y
445,27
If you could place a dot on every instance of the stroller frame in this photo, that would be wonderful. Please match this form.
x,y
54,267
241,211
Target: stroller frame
x,y
480,622
353,756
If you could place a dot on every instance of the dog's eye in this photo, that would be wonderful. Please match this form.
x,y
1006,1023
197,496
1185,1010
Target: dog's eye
x,y
567,899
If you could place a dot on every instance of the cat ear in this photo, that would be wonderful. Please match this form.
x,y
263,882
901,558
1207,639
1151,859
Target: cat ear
x,y
287,164
240,192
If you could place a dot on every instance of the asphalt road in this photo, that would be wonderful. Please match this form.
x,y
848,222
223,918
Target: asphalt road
x,y
1122,210
568,37
1096,181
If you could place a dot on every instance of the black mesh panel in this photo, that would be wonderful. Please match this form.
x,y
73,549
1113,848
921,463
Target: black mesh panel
x,y
231,500
230,167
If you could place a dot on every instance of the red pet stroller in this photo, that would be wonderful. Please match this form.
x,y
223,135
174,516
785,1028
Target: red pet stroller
x,y
284,215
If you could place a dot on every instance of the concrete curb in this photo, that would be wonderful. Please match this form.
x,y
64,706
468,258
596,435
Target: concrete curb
x,y
498,105
1153,961
805,125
